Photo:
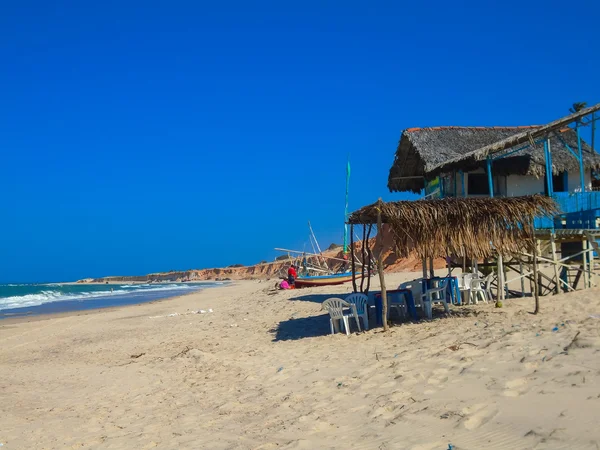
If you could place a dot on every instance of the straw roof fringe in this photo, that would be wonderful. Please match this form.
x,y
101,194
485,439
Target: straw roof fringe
x,y
423,153
472,227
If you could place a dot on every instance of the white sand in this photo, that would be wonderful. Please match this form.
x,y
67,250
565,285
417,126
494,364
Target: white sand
x,y
262,372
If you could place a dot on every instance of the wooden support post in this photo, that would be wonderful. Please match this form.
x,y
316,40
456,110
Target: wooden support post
x,y
586,274
530,264
593,247
522,278
554,263
370,256
380,267
500,296
431,271
364,258
535,275
352,257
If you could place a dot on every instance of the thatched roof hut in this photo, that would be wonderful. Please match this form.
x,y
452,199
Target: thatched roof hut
x,y
473,227
423,153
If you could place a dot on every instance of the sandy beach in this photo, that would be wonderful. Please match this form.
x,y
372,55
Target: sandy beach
x,y
262,372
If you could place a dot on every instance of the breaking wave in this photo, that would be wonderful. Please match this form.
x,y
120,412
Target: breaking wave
x,y
26,295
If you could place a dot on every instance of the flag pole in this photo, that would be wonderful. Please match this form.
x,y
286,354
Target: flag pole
x,y
346,207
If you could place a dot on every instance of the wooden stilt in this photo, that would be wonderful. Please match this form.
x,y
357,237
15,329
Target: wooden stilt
x,y
370,255
586,274
530,264
352,257
555,260
522,278
380,267
500,296
535,276
364,258
593,246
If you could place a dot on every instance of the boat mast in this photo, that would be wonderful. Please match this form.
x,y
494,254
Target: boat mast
x,y
314,238
346,208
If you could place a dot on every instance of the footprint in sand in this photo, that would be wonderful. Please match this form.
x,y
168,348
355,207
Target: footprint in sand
x,y
516,387
399,396
479,415
438,376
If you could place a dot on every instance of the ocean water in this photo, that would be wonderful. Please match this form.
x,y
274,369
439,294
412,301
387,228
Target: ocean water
x,y
25,299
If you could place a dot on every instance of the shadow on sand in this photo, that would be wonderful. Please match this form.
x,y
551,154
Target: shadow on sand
x,y
292,329
307,327
316,298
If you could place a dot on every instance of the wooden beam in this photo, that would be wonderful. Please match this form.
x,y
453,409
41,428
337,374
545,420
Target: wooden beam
x,y
568,266
528,275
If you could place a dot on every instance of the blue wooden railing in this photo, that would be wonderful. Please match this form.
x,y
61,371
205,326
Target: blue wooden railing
x,y
578,210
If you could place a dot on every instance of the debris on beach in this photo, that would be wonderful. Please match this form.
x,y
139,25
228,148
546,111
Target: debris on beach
x,y
200,311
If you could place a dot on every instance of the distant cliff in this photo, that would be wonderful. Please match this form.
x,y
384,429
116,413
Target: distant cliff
x,y
262,270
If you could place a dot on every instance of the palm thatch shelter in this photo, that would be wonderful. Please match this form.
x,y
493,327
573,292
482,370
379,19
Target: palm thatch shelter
x,y
469,227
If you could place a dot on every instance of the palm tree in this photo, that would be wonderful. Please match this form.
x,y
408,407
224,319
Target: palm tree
x,y
578,106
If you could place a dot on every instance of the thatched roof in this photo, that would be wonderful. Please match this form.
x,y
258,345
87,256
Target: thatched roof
x,y
423,153
473,227
527,135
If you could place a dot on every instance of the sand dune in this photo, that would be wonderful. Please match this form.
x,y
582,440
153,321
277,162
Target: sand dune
x,y
262,372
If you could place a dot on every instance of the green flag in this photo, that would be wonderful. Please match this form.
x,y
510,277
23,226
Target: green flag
x,y
346,208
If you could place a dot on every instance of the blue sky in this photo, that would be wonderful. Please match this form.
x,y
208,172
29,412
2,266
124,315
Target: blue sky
x,y
147,136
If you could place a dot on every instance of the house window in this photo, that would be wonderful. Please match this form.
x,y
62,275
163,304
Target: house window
x,y
560,183
478,184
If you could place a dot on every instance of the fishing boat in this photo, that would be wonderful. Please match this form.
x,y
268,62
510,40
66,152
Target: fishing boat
x,y
325,280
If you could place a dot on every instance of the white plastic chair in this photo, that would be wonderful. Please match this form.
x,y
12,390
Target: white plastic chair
x,y
481,287
437,295
416,287
360,301
335,308
464,286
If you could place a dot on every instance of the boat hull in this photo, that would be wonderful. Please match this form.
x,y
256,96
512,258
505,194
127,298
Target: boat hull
x,y
325,280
